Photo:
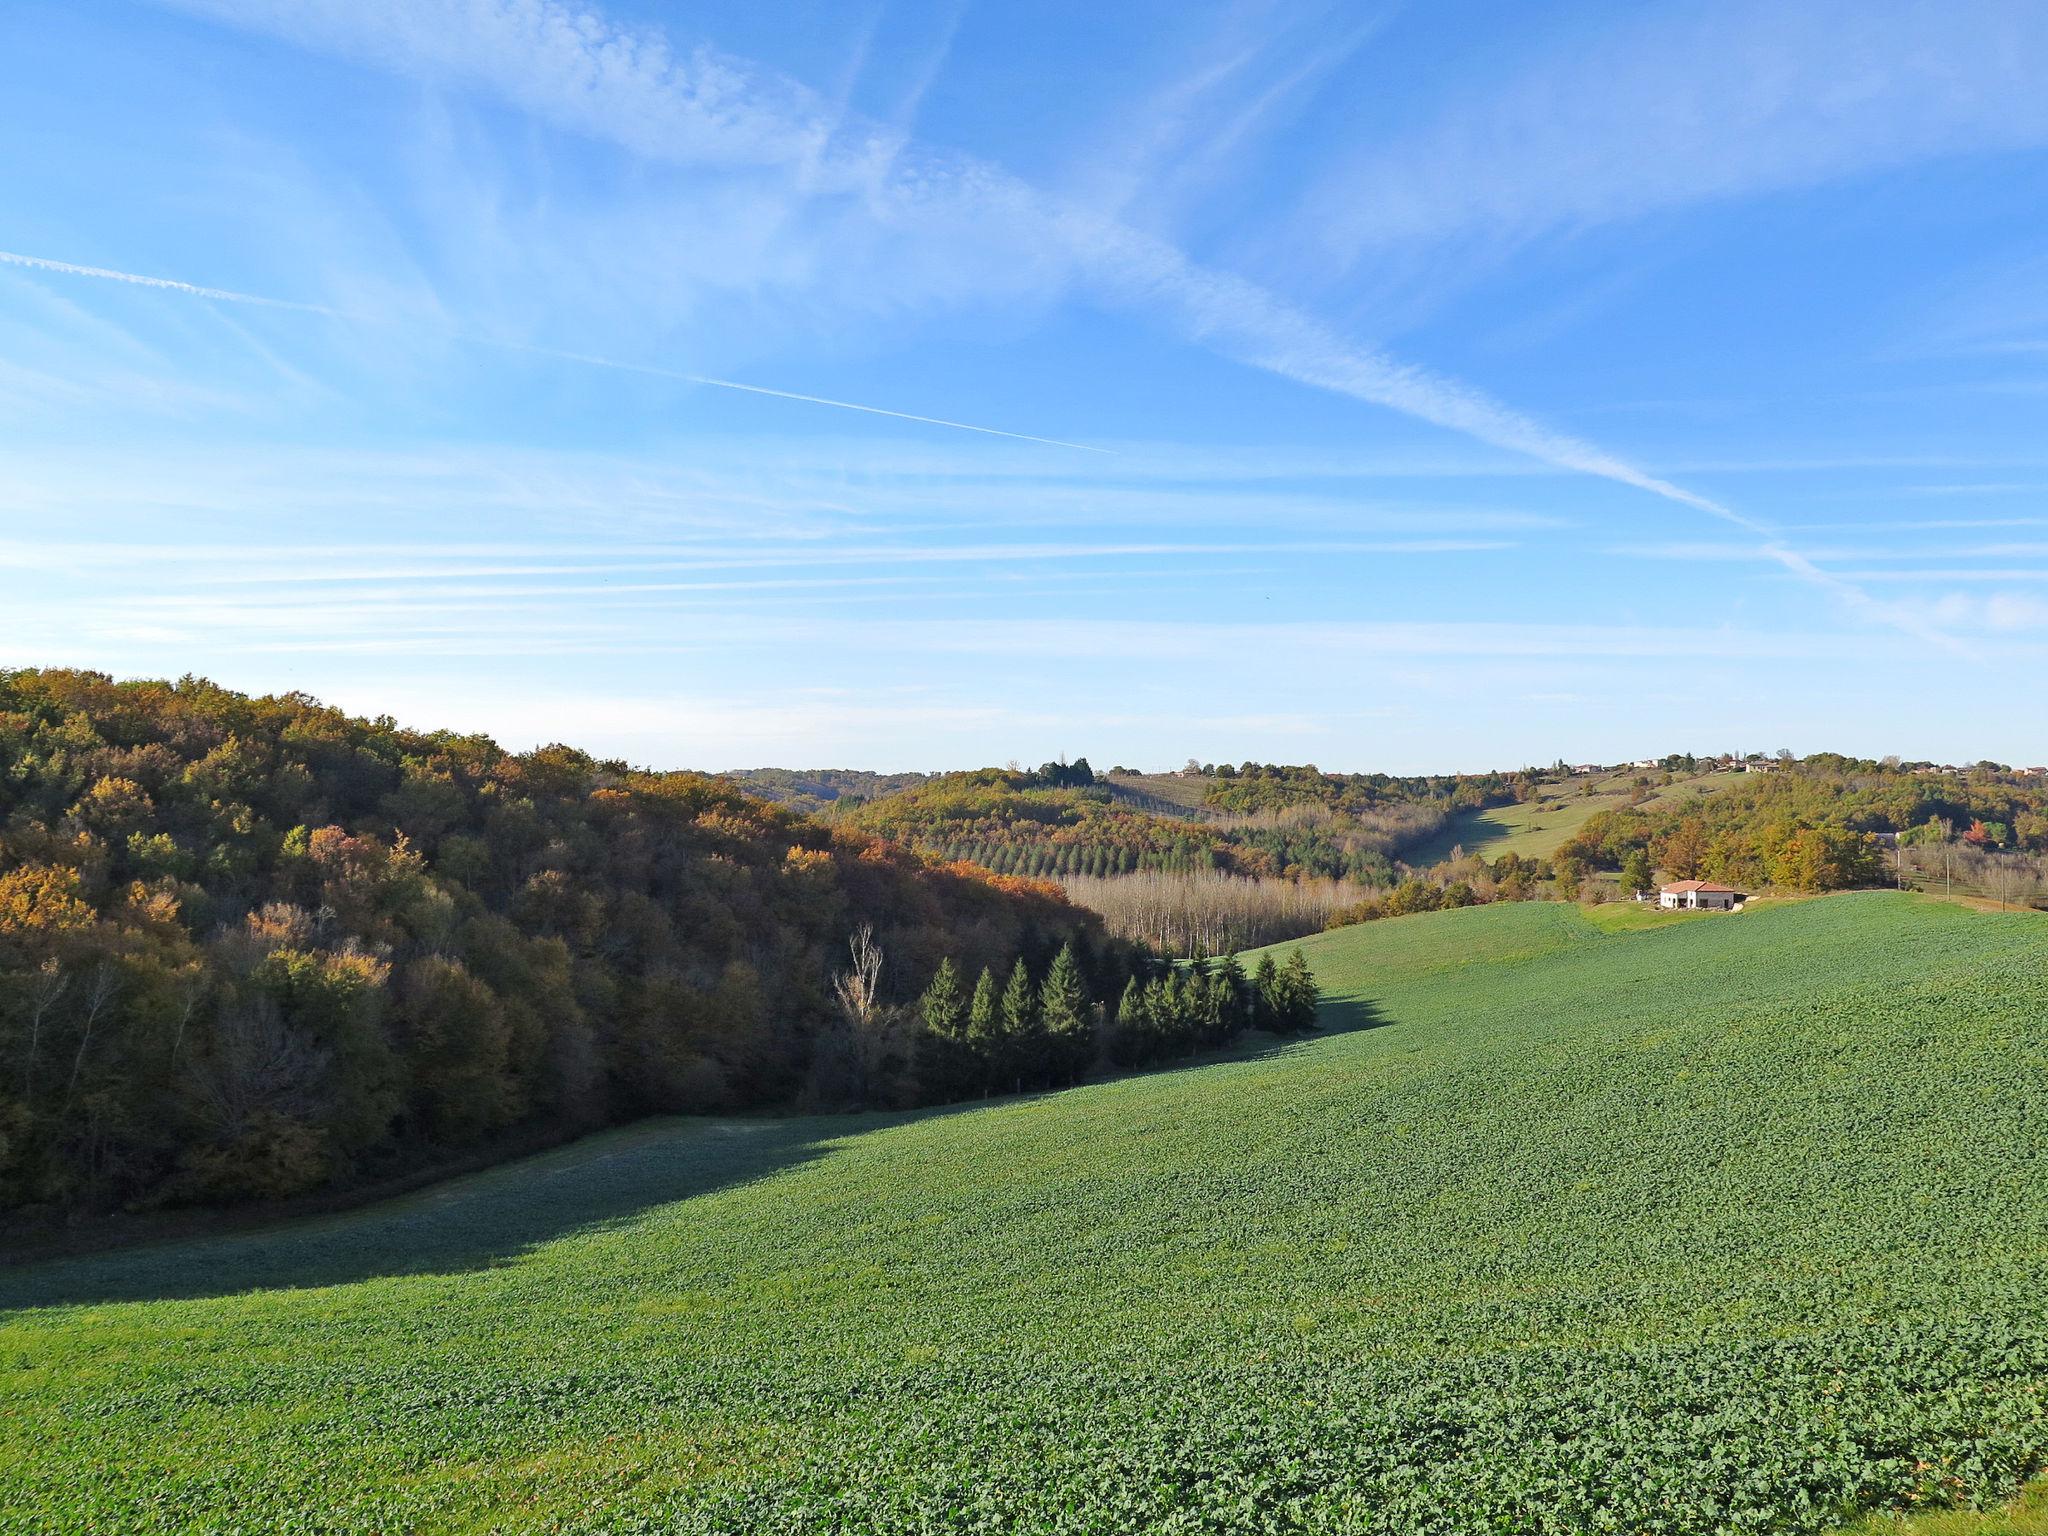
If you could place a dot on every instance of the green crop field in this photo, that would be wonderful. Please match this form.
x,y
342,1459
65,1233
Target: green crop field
x,y
1717,1224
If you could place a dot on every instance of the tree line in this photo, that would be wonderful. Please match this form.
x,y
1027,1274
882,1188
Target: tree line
x,y
1026,1032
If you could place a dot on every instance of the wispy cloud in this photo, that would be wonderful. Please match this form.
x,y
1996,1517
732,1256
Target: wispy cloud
x,y
163,284
1688,103
586,359
581,72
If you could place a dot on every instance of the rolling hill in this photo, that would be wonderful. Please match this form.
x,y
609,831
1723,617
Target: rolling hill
x,y
1568,1223
1537,828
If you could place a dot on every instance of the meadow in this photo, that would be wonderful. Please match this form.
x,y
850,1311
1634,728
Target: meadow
x,y
1567,1224
1535,829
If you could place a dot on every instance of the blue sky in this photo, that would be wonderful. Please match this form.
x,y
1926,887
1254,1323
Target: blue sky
x,y
1382,386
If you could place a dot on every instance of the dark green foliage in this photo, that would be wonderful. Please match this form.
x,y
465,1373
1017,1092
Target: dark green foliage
x,y
945,1064
1021,1055
1635,871
985,1034
1295,1003
1064,1014
1265,994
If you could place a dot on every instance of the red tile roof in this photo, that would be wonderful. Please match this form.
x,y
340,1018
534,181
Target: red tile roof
x,y
1704,885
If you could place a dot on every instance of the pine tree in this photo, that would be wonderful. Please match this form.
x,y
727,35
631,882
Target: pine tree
x,y
1230,982
944,1005
1265,998
1023,1044
1162,1017
1205,993
1299,994
945,1066
1064,1016
985,1031
1127,1045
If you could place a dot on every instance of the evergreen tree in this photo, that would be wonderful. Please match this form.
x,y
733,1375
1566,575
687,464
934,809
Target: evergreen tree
x,y
944,1005
1064,1016
1208,990
1162,1017
1023,1043
1299,994
1127,1044
1265,998
985,1031
945,1066
1231,984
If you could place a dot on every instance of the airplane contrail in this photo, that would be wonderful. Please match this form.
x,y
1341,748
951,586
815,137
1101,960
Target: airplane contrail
x,y
592,360
168,284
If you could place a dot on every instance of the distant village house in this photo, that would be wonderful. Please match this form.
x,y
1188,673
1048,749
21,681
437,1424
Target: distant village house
x,y
1699,896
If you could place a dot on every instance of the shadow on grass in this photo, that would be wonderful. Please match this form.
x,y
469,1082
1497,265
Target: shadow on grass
x,y
1341,1015
1470,831
488,1220
481,1221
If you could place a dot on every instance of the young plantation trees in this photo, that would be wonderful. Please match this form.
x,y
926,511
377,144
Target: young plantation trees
x,y
1048,1034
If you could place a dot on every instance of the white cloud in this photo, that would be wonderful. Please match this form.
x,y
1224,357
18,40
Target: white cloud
x,y
1685,103
2002,613
931,224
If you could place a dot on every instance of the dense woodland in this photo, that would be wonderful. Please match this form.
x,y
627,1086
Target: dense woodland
x,y
1820,824
252,947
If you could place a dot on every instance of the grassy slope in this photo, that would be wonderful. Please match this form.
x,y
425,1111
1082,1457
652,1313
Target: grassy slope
x,y
1722,1224
1151,791
2024,1516
1538,828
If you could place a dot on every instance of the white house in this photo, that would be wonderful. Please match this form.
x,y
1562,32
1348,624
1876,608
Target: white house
x,y
1700,896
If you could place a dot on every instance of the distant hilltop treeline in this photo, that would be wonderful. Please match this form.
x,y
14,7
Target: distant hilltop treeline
x,y
1262,820
1065,819
1224,856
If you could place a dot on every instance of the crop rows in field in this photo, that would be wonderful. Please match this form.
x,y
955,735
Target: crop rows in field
x,y
1728,1224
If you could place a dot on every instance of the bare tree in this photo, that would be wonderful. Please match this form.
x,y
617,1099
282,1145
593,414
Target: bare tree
x,y
50,986
1209,910
257,1063
99,995
859,989
869,1061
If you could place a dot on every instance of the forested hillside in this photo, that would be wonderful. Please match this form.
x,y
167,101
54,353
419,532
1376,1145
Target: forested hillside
x,y
253,946
1823,823
1255,822
1221,857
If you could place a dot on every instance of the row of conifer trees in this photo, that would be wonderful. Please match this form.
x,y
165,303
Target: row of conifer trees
x,y
1025,1033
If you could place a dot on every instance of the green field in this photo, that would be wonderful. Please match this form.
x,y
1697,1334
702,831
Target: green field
x,y
1728,1223
1537,828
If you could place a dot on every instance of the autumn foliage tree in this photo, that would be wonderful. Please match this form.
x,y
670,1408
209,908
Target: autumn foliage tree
x,y
251,947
